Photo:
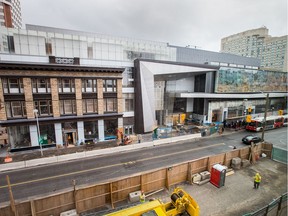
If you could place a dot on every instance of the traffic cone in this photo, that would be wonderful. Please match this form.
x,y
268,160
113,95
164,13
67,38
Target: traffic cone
x,y
8,159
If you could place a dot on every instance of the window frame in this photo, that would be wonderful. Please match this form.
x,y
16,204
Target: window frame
x,y
107,102
109,85
63,106
85,106
93,87
10,109
62,88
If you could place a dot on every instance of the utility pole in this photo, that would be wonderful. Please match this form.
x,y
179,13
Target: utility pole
x,y
265,116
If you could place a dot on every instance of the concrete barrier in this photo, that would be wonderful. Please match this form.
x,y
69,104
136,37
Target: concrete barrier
x,y
12,166
40,161
67,157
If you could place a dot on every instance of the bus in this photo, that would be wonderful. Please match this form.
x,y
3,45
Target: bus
x,y
271,123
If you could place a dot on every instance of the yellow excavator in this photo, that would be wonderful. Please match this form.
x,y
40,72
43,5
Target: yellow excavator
x,y
182,204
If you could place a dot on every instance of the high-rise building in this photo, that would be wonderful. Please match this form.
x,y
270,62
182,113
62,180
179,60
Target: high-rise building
x,y
10,13
272,51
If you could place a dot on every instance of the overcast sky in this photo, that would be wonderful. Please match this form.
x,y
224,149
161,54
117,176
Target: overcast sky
x,y
200,23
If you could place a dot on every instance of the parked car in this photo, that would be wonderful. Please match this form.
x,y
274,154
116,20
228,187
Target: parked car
x,y
251,138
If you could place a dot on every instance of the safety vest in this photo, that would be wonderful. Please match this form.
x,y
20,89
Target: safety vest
x,y
257,178
142,198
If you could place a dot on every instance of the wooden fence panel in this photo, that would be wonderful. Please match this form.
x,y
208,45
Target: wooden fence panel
x,y
198,166
122,188
6,211
267,149
178,174
215,159
244,153
55,204
24,209
230,155
92,197
154,180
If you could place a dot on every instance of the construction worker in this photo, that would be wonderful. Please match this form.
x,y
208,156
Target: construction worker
x,y
142,197
257,180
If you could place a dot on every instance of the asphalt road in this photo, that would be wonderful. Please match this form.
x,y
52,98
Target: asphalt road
x,y
56,177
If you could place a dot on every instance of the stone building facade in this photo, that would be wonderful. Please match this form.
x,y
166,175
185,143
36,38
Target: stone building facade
x,y
72,104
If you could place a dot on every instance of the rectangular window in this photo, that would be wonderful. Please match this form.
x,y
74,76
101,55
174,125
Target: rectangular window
x,y
89,106
44,107
48,47
11,46
129,102
109,86
67,107
110,105
15,109
13,85
90,52
66,85
41,85
89,85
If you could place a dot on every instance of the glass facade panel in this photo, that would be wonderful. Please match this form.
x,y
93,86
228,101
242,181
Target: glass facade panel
x,y
233,80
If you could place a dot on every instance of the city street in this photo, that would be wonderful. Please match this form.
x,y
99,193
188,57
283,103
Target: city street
x,y
56,177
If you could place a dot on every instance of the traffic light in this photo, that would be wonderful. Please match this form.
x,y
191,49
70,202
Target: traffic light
x,y
248,118
280,112
249,110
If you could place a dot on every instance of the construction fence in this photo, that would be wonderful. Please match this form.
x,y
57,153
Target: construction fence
x,y
114,191
279,154
276,207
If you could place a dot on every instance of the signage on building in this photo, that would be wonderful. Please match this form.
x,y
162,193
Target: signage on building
x,y
64,60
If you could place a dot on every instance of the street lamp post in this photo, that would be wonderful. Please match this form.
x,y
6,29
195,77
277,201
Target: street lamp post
x,y
265,116
38,130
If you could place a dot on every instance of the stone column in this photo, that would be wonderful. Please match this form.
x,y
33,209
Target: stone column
x,y
55,97
101,130
78,92
28,98
58,133
100,96
2,103
80,130
33,135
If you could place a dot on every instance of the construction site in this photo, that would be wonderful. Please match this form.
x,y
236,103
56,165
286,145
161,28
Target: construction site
x,y
227,194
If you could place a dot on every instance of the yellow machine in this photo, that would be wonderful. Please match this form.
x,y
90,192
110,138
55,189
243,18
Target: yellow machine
x,y
181,204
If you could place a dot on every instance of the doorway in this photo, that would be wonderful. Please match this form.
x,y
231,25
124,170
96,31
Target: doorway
x,y
70,137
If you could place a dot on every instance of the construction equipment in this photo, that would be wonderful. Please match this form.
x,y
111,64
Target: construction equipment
x,y
181,204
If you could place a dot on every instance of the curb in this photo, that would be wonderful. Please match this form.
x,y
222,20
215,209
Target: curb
x,y
98,152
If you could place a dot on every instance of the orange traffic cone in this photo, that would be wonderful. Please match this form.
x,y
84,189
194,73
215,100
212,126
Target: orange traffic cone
x,y
8,159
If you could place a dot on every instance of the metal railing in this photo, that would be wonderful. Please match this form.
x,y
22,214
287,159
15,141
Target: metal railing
x,y
277,207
